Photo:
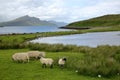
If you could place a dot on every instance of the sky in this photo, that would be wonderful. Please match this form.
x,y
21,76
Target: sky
x,y
58,10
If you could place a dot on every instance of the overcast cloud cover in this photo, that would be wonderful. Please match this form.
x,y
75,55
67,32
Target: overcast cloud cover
x,y
59,10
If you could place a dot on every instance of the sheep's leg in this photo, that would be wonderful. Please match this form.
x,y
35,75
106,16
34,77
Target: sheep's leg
x,y
18,61
28,60
51,66
36,58
23,61
62,66
44,66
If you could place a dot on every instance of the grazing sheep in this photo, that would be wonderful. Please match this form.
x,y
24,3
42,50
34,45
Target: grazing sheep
x,y
46,62
61,62
36,54
20,57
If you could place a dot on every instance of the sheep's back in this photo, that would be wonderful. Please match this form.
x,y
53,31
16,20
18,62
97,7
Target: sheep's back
x,y
20,56
36,54
33,53
47,61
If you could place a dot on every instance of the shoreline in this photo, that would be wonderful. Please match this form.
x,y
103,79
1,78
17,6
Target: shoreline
x,y
64,33
76,28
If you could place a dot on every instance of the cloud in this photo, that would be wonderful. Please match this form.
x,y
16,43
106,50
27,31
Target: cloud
x,y
59,10
98,9
44,9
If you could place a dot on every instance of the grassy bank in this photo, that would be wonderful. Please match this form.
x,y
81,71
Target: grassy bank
x,y
103,29
18,40
32,71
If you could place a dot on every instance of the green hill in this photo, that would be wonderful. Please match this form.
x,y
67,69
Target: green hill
x,y
102,21
27,21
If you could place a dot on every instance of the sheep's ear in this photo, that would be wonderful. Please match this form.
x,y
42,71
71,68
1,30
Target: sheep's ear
x,y
65,59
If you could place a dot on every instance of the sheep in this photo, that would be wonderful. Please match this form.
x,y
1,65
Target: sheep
x,y
46,62
20,57
61,62
36,54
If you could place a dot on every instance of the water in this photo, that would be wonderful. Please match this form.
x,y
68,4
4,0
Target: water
x,y
28,29
87,39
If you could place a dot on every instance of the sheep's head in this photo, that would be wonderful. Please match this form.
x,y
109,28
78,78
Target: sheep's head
x,y
64,59
42,54
38,57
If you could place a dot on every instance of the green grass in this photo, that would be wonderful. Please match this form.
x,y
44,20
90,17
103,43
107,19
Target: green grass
x,y
104,60
10,70
18,40
102,21
102,29
94,62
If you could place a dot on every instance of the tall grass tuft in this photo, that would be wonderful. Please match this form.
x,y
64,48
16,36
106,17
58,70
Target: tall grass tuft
x,y
103,60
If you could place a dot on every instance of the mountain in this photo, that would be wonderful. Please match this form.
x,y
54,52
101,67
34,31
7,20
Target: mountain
x,y
102,21
27,21
59,24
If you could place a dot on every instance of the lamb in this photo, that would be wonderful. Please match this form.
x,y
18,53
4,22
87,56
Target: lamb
x,y
36,54
61,62
20,57
46,62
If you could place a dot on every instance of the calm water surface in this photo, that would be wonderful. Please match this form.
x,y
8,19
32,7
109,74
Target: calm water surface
x,y
28,29
87,39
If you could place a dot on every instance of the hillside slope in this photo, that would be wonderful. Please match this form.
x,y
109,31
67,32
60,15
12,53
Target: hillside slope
x,y
102,21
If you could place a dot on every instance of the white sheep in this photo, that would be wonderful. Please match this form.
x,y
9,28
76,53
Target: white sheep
x,y
46,62
21,57
62,61
36,54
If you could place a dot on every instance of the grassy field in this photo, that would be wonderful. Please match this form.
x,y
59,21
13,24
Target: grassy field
x,y
10,70
103,60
